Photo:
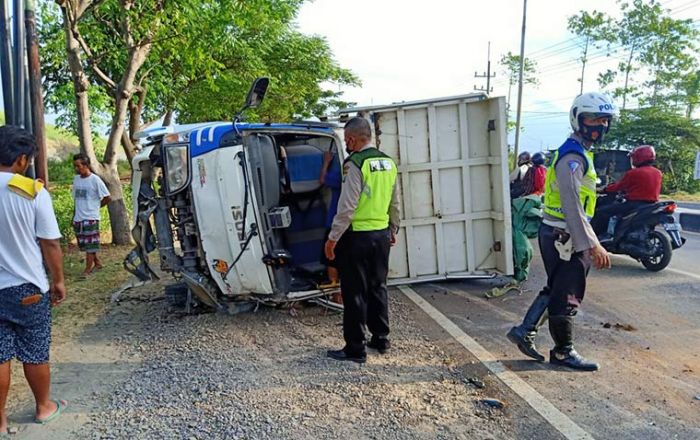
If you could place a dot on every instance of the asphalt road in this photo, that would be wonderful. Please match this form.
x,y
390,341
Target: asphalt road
x,y
643,327
689,205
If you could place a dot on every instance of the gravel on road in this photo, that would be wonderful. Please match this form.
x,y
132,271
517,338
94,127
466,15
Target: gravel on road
x,y
264,375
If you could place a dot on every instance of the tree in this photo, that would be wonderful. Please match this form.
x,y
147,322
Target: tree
x,y
511,69
675,138
137,39
134,62
590,27
652,42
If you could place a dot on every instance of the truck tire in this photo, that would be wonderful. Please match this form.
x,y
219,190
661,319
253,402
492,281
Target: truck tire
x,y
656,264
176,294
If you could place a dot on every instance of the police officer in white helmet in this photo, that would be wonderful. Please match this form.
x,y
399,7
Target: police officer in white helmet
x,y
567,242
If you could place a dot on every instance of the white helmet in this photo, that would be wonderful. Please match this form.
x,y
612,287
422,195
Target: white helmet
x,y
592,105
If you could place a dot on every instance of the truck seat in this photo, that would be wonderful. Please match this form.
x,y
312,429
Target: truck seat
x,y
304,163
308,211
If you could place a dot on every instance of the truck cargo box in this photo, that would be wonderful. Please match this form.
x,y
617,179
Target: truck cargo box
x,y
452,156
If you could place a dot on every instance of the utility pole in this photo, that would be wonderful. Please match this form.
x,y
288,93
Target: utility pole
x,y
520,88
6,63
36,100
21,76
18,63
486,75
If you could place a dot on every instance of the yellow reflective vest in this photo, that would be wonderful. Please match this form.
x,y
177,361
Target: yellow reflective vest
x,y
587,193
378,176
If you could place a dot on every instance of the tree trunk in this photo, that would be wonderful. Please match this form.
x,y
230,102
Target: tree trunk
x,y
129,147
627,77
118,214
583,65
80,88
168,118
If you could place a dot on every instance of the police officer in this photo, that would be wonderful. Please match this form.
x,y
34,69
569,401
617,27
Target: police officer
x,y
567,242
363,230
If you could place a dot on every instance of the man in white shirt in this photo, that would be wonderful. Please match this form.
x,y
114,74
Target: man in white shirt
x,y
90,194
28,232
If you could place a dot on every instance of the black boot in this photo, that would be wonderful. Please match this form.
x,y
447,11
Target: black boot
x,y
524,335
562,330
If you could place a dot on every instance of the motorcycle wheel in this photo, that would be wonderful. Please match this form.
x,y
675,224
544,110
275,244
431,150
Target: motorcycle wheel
x,y
655,264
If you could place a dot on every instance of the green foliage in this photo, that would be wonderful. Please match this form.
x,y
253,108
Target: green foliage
x,y
61,172
656,52
63,207
675,138
511,69
658,65
204,55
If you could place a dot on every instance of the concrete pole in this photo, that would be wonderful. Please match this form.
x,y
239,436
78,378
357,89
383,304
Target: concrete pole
x,y
6,69
520,88
18,63
35,92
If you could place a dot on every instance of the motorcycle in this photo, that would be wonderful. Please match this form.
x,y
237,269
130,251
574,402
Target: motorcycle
x,y
638,235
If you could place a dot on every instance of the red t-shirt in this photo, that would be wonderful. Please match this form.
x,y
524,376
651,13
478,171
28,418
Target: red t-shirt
x,y
639,184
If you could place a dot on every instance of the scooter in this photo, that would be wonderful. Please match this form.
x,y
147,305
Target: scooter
x,y
638,235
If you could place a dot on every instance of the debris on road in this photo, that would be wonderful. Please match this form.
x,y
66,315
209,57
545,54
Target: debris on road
x,y
618,326
476,382
492,403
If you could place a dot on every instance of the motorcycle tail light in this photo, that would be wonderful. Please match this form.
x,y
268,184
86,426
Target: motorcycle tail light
x,y
670,208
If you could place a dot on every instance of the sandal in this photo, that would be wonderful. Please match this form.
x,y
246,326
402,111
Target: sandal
x,y
60,406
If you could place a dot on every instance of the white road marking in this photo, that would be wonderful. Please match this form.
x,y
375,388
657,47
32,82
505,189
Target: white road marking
x,y
538,402
682,272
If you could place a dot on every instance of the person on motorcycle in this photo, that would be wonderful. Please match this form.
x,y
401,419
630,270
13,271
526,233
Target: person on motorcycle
x,y
535,177
518,185
641,185
567,242
524,164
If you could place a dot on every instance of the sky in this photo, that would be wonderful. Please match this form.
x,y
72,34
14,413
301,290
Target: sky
x,y
408,50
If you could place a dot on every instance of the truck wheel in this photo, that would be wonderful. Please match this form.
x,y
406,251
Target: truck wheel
x,y
662,242
176,294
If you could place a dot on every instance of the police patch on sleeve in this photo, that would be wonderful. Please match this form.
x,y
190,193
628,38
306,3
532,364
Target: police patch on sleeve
x,y
573,165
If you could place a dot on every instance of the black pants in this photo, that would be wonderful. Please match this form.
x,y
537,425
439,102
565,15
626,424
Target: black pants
x,y
566,280
363,264
602,215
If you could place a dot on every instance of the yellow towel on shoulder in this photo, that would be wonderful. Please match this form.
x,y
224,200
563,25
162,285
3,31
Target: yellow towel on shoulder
x,y
24,186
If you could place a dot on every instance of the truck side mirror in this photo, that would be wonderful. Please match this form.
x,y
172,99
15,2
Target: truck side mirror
x,y
257,92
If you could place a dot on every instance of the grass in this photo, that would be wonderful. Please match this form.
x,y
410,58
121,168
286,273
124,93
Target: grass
x,y
87,297
682,196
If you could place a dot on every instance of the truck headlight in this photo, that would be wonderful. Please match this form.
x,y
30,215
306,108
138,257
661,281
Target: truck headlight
x,y
177,167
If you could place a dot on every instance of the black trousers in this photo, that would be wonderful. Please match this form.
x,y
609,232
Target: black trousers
x,y
566,280
363,264
602,215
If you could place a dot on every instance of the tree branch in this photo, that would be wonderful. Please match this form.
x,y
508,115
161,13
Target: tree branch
x,y
91,60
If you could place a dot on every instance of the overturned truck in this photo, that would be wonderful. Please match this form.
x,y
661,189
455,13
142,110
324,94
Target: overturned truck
x,y
237,210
